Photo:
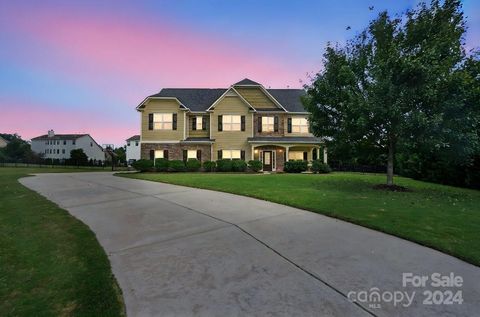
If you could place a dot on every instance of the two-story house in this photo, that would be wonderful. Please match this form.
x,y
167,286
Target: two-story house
x,y
245,121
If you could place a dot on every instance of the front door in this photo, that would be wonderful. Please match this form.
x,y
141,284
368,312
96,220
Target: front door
x,y
267,161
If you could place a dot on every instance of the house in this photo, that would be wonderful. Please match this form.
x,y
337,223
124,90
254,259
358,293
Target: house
x,y
245,121
58,146
3,142
133,149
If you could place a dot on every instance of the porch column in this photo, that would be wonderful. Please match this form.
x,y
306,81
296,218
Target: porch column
x,y
286,153
325,158
253,152
311,154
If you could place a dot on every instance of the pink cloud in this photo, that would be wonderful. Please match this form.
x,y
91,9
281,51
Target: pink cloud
x,y
151,54
31,120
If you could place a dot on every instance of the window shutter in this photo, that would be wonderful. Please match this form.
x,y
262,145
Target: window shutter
x,y
150,121
275,124
152,155
220,125
199,155
219,154
242,123
174,125
259,124
194,123
185,155
204,122
305,157
165,154
242,155
289,125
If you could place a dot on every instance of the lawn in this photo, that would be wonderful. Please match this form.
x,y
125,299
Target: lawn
x,y
51,264
442,217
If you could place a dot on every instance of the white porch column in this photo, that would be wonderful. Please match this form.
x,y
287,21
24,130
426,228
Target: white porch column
x,y
286,153
325,157
253,152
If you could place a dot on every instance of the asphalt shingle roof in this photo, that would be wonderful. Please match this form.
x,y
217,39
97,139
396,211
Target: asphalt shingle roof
x,y
59,137
299,139
134,138
246,81
290,99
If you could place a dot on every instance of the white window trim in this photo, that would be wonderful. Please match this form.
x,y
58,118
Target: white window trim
x,y
266,125
162,123
231,124
230,154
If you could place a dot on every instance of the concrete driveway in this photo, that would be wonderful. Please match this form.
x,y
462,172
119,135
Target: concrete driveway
x,y
178,251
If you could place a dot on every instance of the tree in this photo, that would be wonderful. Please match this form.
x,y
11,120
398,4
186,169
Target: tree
x,y
78,157
16,149
399,82
121,154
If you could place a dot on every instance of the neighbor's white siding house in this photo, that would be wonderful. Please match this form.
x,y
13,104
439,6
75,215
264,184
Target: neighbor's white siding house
x,y
133,148
58,146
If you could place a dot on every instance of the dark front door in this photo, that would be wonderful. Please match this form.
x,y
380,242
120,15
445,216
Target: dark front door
x,y
267,160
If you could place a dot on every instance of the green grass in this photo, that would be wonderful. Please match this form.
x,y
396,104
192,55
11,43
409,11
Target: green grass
x,y
442,217
51,264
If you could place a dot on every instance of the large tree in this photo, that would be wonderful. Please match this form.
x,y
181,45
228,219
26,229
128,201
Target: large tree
x,y
403,80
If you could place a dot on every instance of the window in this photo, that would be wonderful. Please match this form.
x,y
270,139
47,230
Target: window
x,y
191,154
231,154
162,121
63,151
159,154
199,123
64,142
73,142
268,124
299,125
231,123
295,155
128,143
91,143
58,151
136,143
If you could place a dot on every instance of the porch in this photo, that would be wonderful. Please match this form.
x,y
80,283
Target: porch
x,y
273,156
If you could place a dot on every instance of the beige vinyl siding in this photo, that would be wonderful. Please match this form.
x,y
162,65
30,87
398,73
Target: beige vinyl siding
x,y
256,97
162,106
197,133
293,133
231,140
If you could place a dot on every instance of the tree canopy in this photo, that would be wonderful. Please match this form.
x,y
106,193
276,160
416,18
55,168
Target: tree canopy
x,y
405,82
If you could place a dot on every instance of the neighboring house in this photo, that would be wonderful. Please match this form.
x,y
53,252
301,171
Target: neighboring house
x,y
245,121
58,146
3,142
133,149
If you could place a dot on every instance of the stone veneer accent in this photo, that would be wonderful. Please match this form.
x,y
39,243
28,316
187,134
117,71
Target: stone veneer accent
x,y
175,150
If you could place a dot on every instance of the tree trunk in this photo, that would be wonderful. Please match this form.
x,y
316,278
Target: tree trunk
x,y
391,146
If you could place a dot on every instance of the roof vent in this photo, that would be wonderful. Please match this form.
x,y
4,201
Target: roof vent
x,y
51,133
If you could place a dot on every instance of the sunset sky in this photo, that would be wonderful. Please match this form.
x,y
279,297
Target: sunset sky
x,y
82,67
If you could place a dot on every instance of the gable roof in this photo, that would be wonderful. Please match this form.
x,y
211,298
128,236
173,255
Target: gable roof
x,y
136,137
201,99
196,99
59,137
246,81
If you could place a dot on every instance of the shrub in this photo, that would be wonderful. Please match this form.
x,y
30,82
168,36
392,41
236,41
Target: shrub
x,y
193,165
143,165
295,166
176,166
161,165
239,166
209,166
224,165
319,167
255,165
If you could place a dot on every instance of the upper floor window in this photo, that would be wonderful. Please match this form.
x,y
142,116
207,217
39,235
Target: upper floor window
x,y
73,142
136,143
64,142
299,125
268,124
199,123
231,122
162,121
128,143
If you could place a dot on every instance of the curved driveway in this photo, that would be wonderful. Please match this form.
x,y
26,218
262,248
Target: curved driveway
x,y
179,251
